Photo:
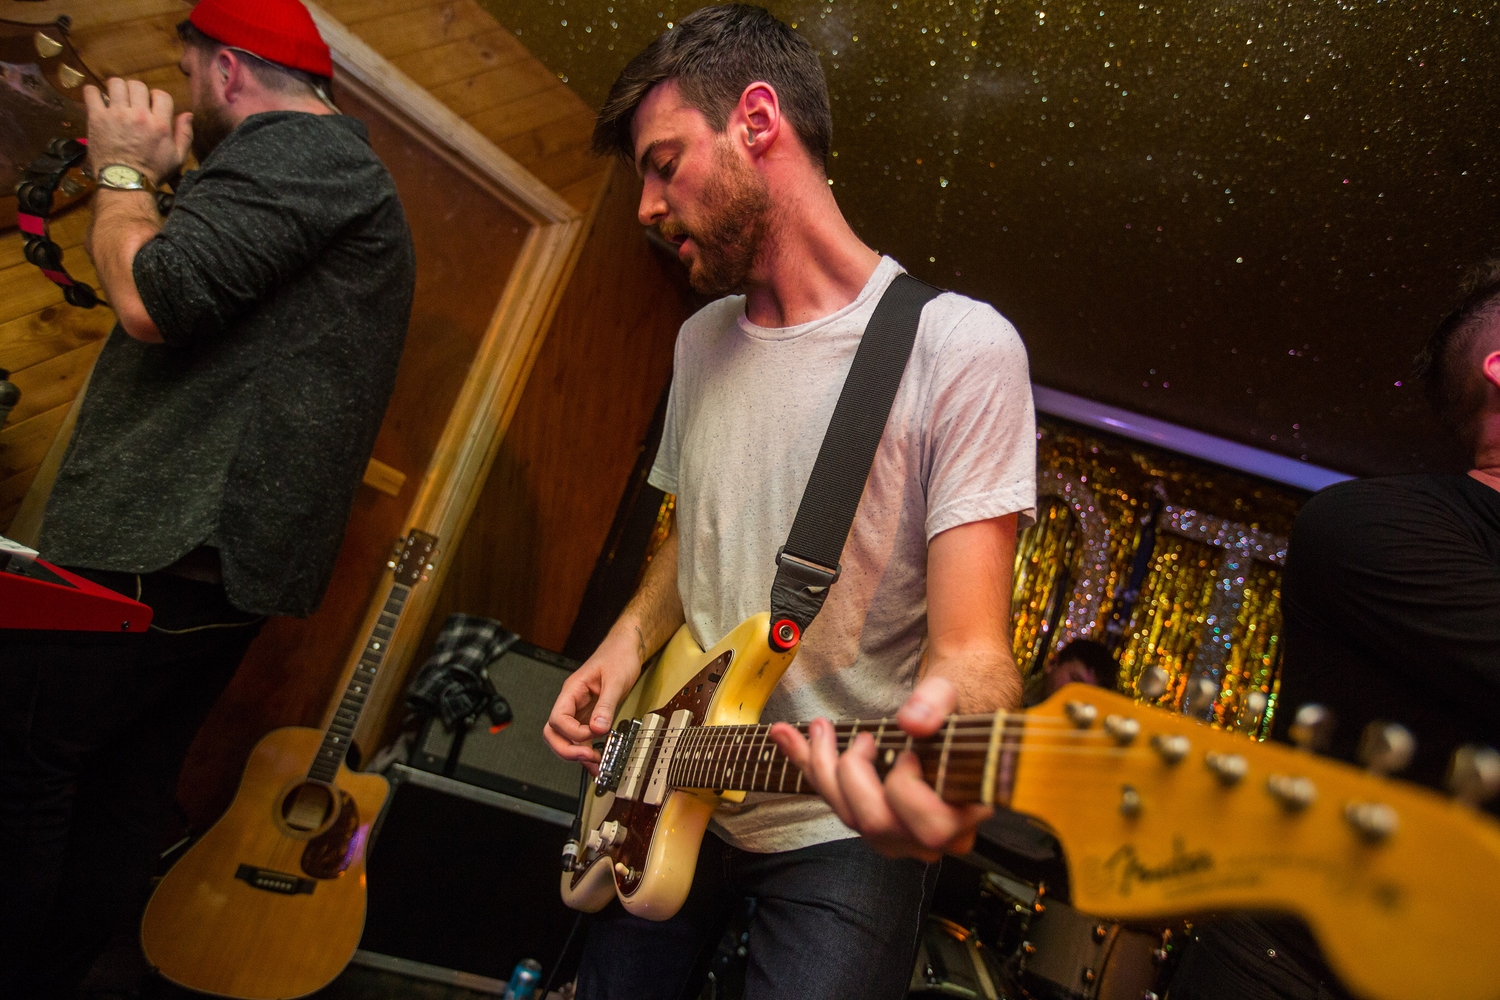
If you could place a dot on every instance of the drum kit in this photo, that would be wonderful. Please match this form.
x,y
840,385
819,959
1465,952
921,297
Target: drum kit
x,y
1006,936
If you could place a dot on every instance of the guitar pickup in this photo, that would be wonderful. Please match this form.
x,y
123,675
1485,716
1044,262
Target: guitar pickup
x,y
274,881
616,756
635,765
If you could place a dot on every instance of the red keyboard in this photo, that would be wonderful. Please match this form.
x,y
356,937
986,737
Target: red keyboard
x,y
37,595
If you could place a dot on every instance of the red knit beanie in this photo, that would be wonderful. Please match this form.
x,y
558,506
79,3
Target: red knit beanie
x,y
279,31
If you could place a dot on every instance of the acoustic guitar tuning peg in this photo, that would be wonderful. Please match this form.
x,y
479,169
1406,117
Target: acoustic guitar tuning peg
x,y
1153,683
1386,746
1312,727
1474,774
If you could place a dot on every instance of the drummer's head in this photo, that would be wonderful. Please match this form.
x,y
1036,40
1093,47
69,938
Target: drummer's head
x,y
1460,366
1082,661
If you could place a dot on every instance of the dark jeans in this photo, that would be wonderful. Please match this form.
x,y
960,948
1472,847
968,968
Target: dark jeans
x,y
93,731
834,921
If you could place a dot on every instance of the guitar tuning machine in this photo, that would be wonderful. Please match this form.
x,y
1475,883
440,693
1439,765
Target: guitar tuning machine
x,y
1375,821
1229,768
1153,683
1386,747
1171,748
1122,728
1081,713
1474,774
1293,792
1312,727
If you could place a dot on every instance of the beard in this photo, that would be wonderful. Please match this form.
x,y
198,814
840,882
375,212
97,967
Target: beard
x,y
211,126
733,227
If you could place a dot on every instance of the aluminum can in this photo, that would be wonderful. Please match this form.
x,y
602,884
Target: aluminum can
x,y
524,981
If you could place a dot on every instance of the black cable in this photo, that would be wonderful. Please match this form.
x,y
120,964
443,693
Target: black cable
x,y
552,976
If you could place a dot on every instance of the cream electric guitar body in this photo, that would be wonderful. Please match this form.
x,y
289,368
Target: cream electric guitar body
x,y
651,867
1159,816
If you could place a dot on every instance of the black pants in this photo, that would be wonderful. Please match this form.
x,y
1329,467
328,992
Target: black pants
x,y
93,732
832,922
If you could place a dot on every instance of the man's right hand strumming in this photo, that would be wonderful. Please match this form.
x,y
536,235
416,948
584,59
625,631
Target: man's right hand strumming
x,y
585,708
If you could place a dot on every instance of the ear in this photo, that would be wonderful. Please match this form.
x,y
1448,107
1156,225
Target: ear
x,y
757,123
229,73
1491,368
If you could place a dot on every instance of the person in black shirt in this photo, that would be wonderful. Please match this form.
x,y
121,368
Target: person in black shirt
x,y
216,456
1391,602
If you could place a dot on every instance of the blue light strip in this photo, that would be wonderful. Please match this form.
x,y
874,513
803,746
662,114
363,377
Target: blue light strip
x,y
1230,454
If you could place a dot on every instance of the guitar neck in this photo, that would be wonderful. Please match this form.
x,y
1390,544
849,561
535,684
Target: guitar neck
x,y
410,565
971,759
340,731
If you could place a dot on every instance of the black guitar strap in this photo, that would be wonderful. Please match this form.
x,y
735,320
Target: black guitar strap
x,y
808,564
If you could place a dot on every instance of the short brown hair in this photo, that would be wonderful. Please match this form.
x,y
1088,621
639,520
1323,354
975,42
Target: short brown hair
x,y
1453,383
714,54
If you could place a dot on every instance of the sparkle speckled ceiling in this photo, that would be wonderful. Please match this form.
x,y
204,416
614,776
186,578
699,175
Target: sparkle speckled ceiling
x,y
1242,217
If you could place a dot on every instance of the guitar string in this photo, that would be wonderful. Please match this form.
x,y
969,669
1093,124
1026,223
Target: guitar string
x,y
737,735
966,724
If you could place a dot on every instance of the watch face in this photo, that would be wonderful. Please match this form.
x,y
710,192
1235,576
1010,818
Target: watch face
x,y
119,175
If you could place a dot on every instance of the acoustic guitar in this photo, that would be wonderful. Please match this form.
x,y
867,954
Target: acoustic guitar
x,y
1159,816
271,902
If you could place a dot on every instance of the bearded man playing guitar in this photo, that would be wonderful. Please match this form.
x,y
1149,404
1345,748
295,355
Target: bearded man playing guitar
x,y
726,117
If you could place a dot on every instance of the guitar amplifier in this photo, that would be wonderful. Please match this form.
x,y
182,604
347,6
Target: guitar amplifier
x,y
516,760
463,884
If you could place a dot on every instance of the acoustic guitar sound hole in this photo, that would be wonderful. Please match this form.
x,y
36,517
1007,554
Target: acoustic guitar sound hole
x,y
307,806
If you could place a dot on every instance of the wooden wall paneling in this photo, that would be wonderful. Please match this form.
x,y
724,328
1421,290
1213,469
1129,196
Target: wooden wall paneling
x,y
26,442
551,495
54,330
462,58
53,382
87,14
495,88
131,48
397,34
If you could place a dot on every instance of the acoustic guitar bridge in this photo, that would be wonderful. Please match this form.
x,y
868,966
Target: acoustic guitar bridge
x,y
273,881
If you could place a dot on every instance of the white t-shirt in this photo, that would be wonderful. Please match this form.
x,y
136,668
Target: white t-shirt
x,y
746,415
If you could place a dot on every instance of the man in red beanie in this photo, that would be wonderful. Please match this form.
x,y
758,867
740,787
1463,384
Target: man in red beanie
x,y
217,452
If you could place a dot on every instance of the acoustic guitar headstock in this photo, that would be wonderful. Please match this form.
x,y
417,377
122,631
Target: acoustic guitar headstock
x,y
1161,814
412,559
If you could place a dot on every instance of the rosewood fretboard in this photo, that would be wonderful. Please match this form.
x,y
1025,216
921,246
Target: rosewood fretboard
x,y
967,755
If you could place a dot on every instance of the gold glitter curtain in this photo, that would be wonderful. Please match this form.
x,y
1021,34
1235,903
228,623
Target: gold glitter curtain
x,y
1167,623
1046,559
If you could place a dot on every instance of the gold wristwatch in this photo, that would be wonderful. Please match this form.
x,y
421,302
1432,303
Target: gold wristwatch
x,y
123,177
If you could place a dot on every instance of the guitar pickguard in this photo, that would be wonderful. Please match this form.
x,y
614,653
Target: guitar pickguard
x,y
638,818
330,854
